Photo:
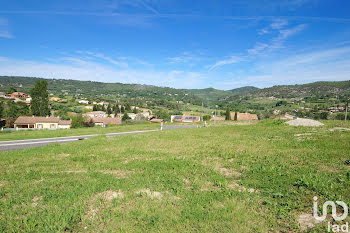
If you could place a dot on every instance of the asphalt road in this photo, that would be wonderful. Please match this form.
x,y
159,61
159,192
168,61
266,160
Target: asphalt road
x,y
21,144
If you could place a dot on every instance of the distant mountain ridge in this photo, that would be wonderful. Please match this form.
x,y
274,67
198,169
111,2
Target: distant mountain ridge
x,y
90,88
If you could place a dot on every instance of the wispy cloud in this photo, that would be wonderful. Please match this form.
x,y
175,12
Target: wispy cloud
x,y
6,34
230,60
279,23
285,34
278,41
322,65
105,58
258,48
186,57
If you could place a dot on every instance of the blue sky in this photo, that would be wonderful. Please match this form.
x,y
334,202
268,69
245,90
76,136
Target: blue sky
x,y
176,43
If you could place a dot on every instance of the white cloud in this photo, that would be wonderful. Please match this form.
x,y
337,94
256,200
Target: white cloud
x,y
186,57
284,34
279,23
263,31
324,65
231,60
257,48
105,58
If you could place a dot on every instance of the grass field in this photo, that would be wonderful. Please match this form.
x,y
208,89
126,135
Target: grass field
x,y
34,134
229,178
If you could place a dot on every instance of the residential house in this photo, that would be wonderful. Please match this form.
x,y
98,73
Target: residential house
x,y
133,116
17,94
184,118
83,101
55,99
218,118
33,122
103,122
244,116
96,114
2,94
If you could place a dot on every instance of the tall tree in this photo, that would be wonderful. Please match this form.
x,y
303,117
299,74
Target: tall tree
x,y
236,116
40,99
228,114
1,109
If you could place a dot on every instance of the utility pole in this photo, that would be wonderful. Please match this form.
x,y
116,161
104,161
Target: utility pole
x,y
207,106
215,115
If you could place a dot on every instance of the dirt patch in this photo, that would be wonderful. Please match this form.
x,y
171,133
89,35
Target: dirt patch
x,y
107,197
307,221
35,201
302,134
64,155
119,173
209,186
75,171
151,194
339,129
241,188
226,171
304,122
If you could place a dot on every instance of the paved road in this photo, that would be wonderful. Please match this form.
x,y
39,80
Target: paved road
x,y
21,144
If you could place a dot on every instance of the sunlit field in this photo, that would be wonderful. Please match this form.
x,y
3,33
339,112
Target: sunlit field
x,y
240,178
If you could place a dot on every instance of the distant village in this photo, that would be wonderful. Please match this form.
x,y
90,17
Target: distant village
x,y
87,113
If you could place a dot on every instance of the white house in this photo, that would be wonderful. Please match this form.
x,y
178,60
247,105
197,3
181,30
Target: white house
x,y
96,114
83,102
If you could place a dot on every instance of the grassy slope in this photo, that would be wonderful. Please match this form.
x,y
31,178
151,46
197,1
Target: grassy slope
x,y
34,134
60,187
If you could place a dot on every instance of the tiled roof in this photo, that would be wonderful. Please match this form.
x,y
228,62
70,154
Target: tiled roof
x,y
33,120
107,121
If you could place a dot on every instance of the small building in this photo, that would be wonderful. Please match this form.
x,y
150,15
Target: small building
x,y
132,116
94,114
55,99
244,116
155,120
33,122
17,94
83,102
184,118
103,122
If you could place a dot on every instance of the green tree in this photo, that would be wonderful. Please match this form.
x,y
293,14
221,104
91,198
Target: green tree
x,y
236,116
95,108
109,109
116,109
1,109
127,107
11,90
78,121
40,99
125,117
228,114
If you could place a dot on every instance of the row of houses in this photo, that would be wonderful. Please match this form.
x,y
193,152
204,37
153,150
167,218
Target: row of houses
x,y
133,116
17,96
